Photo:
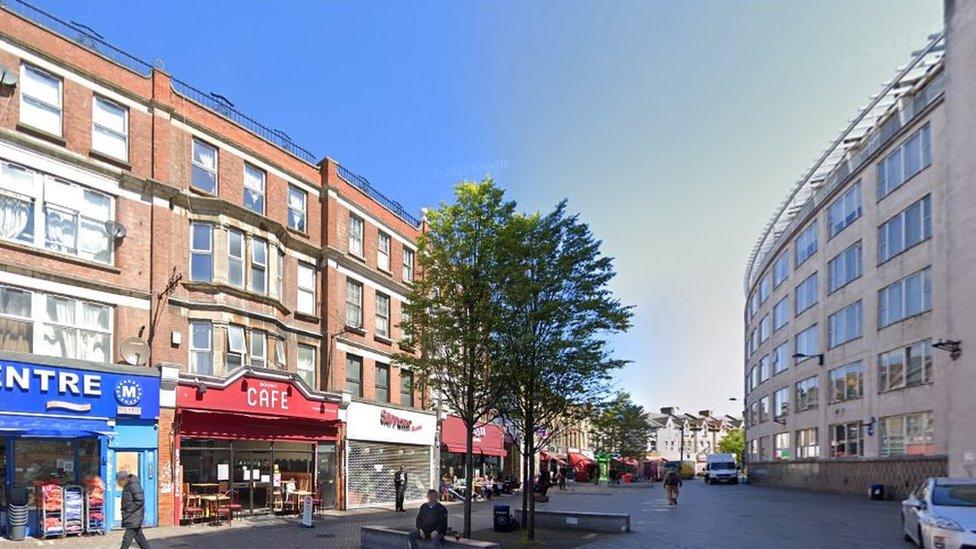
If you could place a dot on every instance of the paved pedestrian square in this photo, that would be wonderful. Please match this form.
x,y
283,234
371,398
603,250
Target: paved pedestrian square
x,y
730,517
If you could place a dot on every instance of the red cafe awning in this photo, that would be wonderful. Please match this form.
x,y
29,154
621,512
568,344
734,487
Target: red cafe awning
x,y
546,456
489,440
255,405
579,461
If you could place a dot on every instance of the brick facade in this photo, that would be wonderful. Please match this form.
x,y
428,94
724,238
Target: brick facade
x,y
149,281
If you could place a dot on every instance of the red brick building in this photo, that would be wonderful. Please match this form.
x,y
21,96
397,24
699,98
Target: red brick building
x,y
259,278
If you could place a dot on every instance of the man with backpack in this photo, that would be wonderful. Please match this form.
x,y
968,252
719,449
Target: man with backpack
x,y
672,482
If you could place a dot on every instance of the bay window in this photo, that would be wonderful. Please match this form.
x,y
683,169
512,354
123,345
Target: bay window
x,y
259,349
235,347
259,266
201,252
235,258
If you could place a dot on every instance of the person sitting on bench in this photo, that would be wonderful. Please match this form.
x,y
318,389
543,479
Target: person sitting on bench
x,y
431,522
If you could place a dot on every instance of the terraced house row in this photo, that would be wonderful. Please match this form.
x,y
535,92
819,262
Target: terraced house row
x,y
187,294
859,311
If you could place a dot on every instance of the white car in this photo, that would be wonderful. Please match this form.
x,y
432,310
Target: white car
x,y
941,514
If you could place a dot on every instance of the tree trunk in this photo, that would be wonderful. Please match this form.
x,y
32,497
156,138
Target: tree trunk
x,y
530,437
469,479
526,480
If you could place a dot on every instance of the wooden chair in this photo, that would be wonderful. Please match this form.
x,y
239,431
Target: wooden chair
x,y
228,507
191,506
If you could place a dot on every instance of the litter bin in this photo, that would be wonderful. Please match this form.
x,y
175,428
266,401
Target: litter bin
x,y
503,518
17,513
877,492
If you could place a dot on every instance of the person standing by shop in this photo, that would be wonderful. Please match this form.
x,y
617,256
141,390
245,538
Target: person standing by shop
x,y
672,482
133,507
400,486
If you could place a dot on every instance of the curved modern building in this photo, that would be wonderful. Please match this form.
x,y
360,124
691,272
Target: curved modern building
x,y
858,297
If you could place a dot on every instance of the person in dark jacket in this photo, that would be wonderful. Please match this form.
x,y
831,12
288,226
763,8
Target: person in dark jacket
x,y
431,522
400,486
133,510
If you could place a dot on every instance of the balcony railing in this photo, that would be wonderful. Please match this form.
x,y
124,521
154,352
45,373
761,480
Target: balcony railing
x,y
363,185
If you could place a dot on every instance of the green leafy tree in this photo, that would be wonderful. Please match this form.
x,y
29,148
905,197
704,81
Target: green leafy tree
x,y
734,442
453,311
621,427
557,313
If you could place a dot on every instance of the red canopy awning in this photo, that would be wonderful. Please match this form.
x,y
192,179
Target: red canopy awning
x,y
488,440
546,456
579,461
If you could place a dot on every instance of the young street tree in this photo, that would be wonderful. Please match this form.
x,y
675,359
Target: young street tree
x,y
557,312
453,312
734,442
621,427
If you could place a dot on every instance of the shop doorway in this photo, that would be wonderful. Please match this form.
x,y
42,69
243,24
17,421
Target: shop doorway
x,y
325,465
139,463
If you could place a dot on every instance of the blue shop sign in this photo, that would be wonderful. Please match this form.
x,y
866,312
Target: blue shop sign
x,y
44,389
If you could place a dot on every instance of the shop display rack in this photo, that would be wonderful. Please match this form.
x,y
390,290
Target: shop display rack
x,y
94,505
50,509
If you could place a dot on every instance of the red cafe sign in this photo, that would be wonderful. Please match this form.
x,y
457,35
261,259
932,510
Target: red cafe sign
x,y
257,395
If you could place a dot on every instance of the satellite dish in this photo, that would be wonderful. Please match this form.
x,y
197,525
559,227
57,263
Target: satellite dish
x,y
8,77
135,351
115,229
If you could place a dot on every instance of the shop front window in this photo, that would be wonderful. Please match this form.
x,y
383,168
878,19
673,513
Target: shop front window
x,y
38,460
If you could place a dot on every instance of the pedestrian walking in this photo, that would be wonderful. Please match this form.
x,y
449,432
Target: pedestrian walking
x,y
431,522
400,487
133,507
562,479
672,482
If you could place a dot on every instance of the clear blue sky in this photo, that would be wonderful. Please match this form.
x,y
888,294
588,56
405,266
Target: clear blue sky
x,y
674,127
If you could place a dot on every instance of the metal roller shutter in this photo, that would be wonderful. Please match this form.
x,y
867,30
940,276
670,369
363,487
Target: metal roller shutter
x,y
370,468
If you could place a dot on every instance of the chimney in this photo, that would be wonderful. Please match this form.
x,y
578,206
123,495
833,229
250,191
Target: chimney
x,y
705,413
668,410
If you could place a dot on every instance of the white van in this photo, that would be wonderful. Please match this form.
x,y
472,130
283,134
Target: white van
x,y
721,468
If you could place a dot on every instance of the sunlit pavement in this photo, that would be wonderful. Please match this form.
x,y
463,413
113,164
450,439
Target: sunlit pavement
x,y
707,517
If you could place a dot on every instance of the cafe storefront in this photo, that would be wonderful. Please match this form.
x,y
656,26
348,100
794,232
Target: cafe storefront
x,y
488,450
379,440
261,439
66,428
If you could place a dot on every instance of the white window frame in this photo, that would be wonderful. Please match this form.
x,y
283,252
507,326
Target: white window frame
x,y
257,186
307,374
807,443
357,231
297,210
40,104
216,167
37,194
258,272
888,448
258,349
897,158
408,264
898,224
781,443
236,346
305,302
201,252
354,304
382,324
196,351
109,132
383,246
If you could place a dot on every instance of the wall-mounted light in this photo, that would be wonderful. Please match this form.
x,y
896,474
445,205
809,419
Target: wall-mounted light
x,y
953,347
800,356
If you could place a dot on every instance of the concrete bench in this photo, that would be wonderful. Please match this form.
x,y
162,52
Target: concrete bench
x,y
381,537
615,523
